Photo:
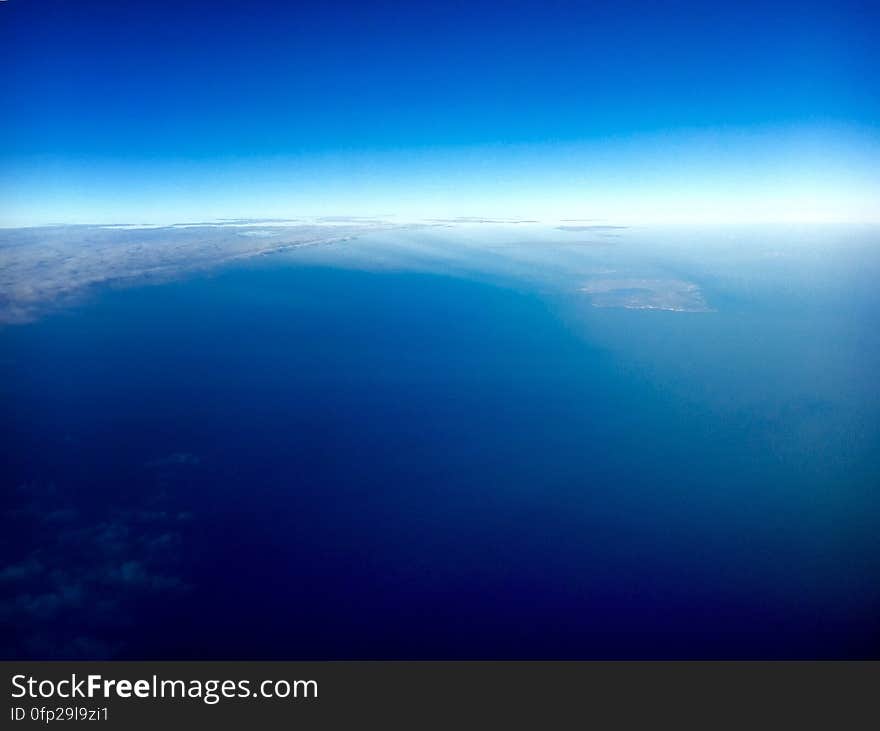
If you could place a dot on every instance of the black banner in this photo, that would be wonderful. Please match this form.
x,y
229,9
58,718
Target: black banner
x,y
134,695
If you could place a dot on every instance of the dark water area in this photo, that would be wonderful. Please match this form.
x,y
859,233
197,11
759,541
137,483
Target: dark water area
x,y
312,458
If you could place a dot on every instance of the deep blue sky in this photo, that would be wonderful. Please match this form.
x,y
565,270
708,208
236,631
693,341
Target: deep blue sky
x,y
119,109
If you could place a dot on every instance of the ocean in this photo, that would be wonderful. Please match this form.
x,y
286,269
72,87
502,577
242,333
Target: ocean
x,y
475,441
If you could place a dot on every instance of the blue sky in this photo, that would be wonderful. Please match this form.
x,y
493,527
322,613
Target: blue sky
x,y
168,111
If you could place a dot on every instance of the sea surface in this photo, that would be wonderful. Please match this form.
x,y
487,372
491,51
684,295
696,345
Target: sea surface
x,y
453,442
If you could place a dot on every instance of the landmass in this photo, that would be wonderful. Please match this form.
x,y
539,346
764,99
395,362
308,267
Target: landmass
x,y
674,295
42,266
592,227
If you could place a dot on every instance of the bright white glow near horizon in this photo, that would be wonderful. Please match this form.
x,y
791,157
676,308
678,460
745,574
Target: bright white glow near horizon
x,y
817,174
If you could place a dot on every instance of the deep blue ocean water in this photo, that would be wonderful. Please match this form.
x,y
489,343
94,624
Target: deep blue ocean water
x,y
430,445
